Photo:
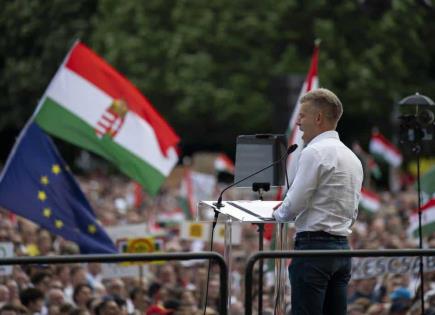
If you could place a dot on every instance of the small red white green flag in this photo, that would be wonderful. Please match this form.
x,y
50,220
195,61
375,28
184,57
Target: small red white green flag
x,y
91,105
369,200
383,149
427,219
223,163
374,168
195,187
428,184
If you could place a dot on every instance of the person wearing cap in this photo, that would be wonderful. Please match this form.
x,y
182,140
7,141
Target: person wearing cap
x,y
402,294
323,202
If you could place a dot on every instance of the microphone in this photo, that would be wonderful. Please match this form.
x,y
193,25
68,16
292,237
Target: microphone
x,y
290,150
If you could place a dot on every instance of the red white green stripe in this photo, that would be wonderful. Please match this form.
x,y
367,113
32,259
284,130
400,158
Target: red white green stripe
x,y
294,134
369,200
427,219
91,105
186,200
428,184
195,187
374,168
381,148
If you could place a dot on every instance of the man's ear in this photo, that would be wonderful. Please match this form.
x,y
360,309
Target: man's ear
x,y
319,117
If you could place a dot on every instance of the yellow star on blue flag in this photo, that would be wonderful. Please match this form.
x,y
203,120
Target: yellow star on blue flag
x,y
36,185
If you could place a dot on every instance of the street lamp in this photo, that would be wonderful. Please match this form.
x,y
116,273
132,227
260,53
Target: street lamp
x,y
417,125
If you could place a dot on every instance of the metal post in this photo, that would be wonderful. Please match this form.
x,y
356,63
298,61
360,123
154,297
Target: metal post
x,y
261,270
227,254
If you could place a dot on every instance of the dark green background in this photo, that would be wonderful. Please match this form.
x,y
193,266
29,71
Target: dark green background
x,y
217,69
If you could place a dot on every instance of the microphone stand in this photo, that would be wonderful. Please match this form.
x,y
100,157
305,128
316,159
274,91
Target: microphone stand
x,y
216,215
416,149
260,187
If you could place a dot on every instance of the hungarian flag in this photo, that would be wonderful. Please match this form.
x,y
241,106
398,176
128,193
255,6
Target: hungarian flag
x,y
367,160
427,184
294,134
185,195
374,168
369,200
91,105
384,150
427,220
195,187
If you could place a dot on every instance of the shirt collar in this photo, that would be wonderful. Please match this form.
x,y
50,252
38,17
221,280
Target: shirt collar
x,y
330,134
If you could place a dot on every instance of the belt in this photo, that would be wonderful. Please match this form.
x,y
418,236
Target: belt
x,y
318,234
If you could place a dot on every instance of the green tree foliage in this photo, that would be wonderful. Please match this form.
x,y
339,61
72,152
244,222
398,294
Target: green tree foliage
x,y
35,37
374,54
207,66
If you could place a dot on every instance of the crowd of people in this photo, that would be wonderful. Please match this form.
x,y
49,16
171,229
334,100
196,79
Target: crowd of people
x,y
177,287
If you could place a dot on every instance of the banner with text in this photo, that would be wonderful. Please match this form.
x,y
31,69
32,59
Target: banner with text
x,y
364,268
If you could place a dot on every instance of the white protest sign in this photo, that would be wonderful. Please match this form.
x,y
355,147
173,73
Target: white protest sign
x,y
120,234
201,231
6,250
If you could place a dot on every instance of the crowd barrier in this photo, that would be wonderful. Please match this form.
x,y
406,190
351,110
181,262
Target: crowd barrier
x,y
213,256
249,270
115,258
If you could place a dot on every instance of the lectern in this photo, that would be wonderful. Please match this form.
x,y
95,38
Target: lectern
x,y
241,211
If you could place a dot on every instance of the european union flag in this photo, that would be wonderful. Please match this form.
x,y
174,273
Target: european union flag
x,y
37,185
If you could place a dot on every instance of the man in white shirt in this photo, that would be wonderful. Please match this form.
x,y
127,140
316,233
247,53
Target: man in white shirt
x,y
323,202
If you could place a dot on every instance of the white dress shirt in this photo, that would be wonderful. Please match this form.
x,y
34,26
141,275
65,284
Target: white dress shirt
x,y
325,193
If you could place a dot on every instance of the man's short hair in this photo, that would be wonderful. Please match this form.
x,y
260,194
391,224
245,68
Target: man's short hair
x,y
325,100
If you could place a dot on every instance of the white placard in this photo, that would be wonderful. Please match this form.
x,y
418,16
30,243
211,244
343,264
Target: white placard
x,y
110,271
6,250
127,230
201,231
122,233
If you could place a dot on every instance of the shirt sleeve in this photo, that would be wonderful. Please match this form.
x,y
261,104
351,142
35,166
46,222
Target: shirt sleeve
x,y
302,190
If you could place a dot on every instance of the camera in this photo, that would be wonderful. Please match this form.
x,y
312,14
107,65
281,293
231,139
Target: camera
x,y
417,120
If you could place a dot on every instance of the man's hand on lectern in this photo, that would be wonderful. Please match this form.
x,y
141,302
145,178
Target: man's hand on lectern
x,y
277,206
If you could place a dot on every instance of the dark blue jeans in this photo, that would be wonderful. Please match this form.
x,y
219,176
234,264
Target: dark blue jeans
x,y
319,284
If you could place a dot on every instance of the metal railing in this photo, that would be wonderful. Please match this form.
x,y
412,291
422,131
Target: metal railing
x,y
319,253
114,258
